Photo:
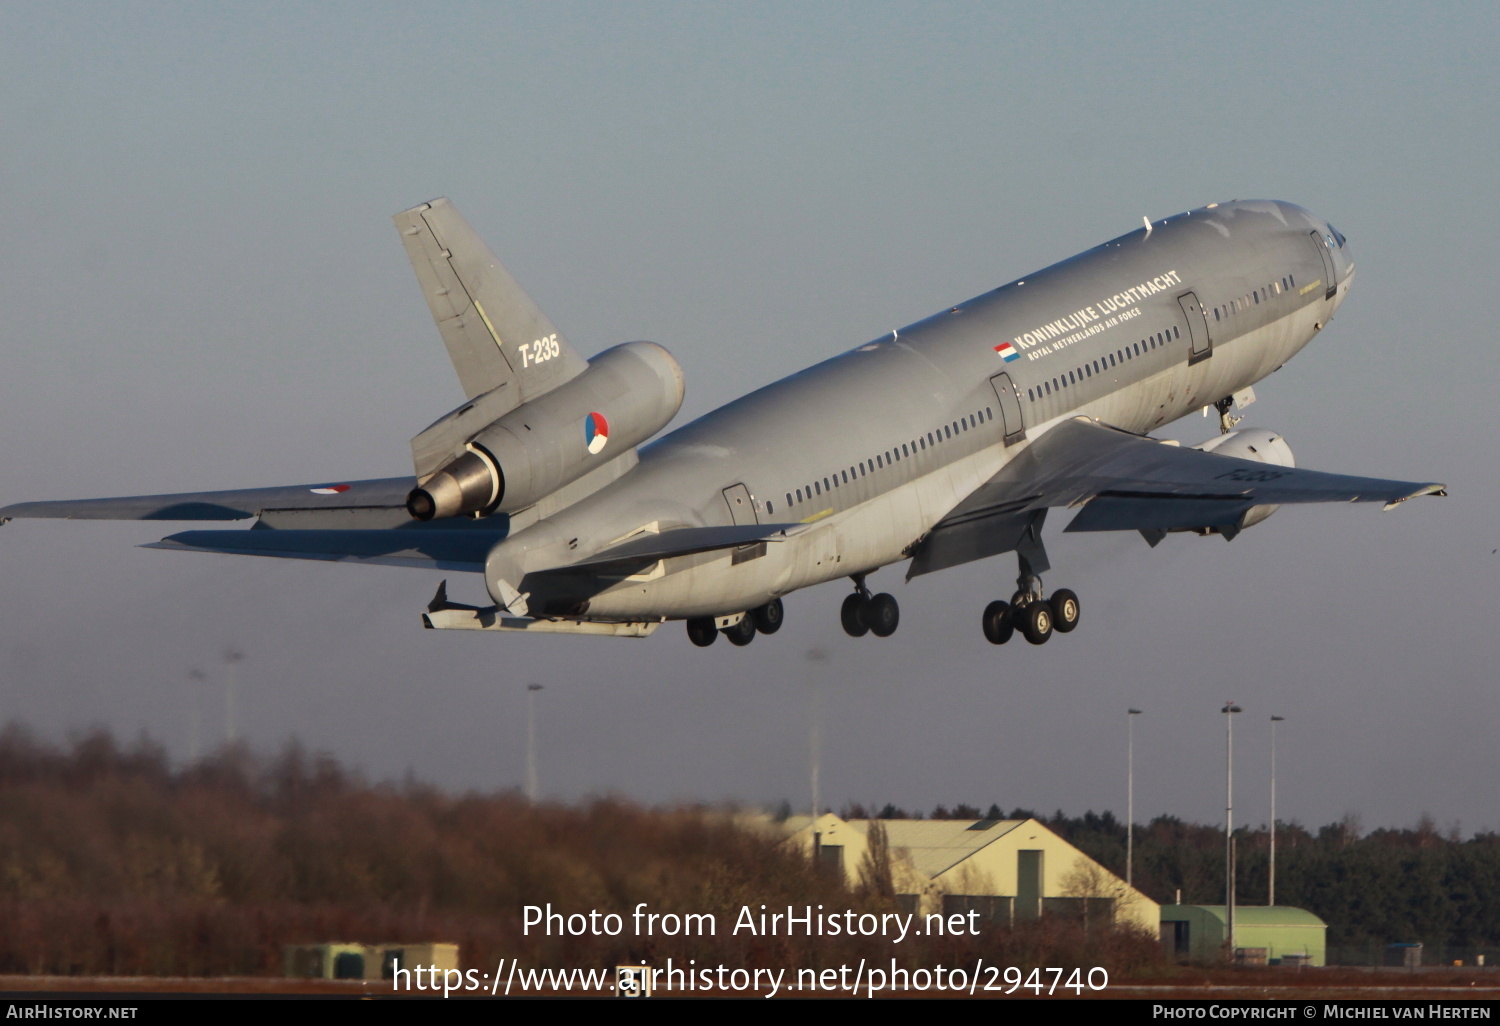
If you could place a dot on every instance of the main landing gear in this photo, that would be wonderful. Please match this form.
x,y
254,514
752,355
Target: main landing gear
x,y
740,630
1029,610
865,613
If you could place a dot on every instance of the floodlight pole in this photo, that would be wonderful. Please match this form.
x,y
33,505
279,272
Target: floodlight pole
x,y
531,781
1130,715
1229,710
1271,895
232,657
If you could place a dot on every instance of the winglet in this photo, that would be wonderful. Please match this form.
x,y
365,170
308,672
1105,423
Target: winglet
x,y
1432,489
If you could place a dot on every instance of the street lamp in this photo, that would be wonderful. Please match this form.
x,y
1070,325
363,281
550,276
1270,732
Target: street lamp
x,y
1229,710
232,656
531,690
1131,714
1271,896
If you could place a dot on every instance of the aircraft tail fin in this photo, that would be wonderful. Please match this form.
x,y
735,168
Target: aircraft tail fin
x,y
495,334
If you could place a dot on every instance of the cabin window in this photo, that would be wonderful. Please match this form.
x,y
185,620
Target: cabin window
x,y
769,507
846,477
799,494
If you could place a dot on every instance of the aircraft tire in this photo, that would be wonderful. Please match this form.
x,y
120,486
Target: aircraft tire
x,y
702,632
769,617
1064,610
883,615
852,616
742,633
1038,624
997,623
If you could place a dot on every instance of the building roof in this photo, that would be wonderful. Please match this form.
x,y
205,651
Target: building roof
x,y
1252,915
937,845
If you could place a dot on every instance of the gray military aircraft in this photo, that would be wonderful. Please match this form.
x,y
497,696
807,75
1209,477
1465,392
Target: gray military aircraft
x,y
971,425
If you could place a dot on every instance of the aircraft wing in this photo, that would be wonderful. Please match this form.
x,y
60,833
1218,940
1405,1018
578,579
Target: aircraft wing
x,y
240,504
1127,482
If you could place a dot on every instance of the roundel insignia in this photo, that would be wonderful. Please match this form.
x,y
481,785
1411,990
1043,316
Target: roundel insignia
x,y
595,432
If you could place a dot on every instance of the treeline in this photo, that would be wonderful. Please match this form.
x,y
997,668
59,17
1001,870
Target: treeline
x,y
115,862
1387,885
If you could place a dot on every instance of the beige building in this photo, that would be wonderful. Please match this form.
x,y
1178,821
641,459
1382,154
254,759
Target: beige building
x,y
1008,869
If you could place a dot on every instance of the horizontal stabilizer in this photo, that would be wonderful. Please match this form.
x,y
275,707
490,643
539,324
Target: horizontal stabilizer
x,y
239,504
461,550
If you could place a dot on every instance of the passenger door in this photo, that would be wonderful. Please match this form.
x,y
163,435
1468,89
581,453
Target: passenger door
x,y
1010,408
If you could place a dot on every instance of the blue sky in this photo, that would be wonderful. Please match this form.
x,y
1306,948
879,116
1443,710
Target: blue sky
x,y
203,289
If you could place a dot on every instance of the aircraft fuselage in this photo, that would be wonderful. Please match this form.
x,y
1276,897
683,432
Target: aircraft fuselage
x,y
873,447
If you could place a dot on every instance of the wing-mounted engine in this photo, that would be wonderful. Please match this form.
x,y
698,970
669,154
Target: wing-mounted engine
x,y
1256,444
626,395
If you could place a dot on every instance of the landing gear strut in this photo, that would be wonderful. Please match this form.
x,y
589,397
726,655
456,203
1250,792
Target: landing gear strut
x,y
1226,422
1029,610
864,613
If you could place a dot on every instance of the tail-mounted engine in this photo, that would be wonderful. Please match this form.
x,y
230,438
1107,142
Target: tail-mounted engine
x,y
626,395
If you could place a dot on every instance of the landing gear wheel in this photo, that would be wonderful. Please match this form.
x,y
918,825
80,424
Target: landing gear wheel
x,y
1038,623
1064,610
852,616
883,615
768,617
741,633
702,632
997,624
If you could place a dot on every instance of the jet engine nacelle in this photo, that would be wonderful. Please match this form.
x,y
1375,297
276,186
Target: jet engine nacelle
x,y
626,395
1253,444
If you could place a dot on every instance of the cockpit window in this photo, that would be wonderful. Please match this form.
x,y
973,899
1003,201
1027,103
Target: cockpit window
x,y
1337,236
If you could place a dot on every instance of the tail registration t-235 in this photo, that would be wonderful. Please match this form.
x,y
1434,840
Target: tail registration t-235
x,y
550,482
